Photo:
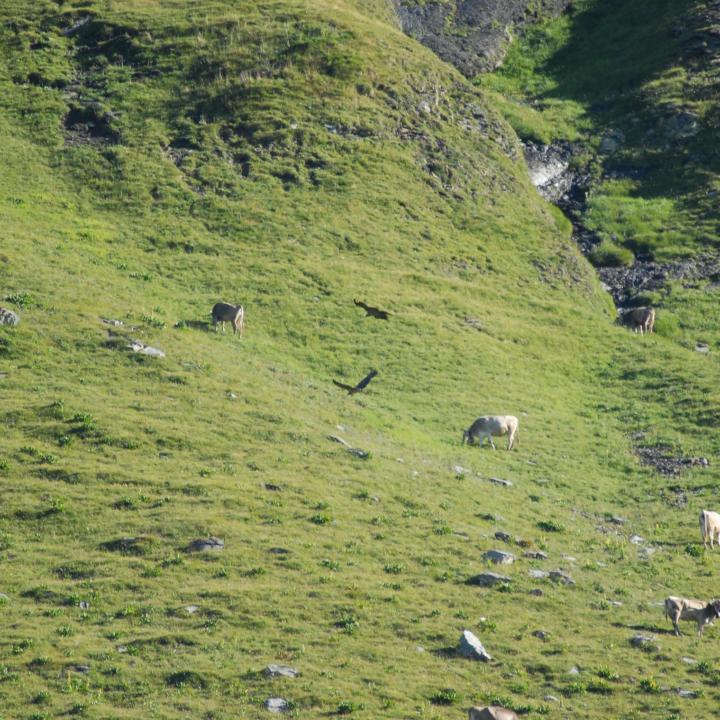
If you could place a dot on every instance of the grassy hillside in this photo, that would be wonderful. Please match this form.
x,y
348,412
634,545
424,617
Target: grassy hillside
x,y
291,156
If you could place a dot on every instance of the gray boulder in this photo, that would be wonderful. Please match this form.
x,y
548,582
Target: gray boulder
x,y
561,577
470,647
488,579
280,671
536,555
277,705
499,557
203,544
8,317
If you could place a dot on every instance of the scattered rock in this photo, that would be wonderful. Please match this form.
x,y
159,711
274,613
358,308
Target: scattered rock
x,y
499,481
143,349
614,603
536,591
499,557
562,577
615,520
121,648
357,452
488,579
642,641
84,605
203,544
686,693
505,537
272,488
536,555
337,439
569,558
277,705
191,609
114,323
689,661
8,317
460,470
538,574
470,647
611,142
574,670
278,551
551,698
82,669
541,634
702,347
549,168
637,539
281,671
683,125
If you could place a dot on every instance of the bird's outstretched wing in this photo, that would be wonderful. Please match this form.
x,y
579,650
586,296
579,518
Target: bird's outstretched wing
x,y
349,388
363,383
372,311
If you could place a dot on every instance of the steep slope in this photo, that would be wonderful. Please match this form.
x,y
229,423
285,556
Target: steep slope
x,y
292,156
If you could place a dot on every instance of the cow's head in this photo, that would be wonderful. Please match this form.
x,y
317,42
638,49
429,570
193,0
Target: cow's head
x,y
466,437
714,607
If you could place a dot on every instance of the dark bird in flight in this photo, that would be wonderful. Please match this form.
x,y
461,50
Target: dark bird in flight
x,y
360,386
373,311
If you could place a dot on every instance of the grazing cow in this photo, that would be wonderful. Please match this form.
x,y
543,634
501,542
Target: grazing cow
x,y
489,425
641,319
222,313
491,712
677,608
709,526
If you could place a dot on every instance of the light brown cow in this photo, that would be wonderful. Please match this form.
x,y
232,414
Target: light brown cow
x,y
641,319
489,425
222,313
703,613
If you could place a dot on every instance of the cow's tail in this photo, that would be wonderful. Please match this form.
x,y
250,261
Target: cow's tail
x,y
703,525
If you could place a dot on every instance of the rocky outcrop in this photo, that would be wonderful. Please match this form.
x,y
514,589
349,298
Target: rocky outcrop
x,y
473,35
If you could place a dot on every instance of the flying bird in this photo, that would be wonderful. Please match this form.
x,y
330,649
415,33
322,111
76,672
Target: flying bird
x,y
373,311
360,386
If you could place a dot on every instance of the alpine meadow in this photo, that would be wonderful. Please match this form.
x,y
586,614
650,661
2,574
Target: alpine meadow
x,y
193,495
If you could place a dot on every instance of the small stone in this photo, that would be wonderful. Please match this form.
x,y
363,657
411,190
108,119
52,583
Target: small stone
x,y
637,539
536,555
538,574
277,705
551,698
191,609
541,634
689,661
615,603
537,592
500,481
121,648
470,647
562,577
686,693
211,543
498,557
281,671
569,558
505,537
143,349
8,317
702,348
272,488
460,470
488,579
278,551
574,670
84,605
420,649
82,669
642,641
615,520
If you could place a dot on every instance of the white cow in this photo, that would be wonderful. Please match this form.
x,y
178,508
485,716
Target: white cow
x,y
491,712
703,613
489,425
709,526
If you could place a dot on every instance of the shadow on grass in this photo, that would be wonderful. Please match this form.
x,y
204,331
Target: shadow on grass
x,y
642,627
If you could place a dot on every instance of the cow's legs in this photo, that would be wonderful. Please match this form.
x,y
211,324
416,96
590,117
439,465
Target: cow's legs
x,y
492,444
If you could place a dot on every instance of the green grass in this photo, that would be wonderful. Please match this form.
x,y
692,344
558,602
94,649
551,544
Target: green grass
x,y
276,154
